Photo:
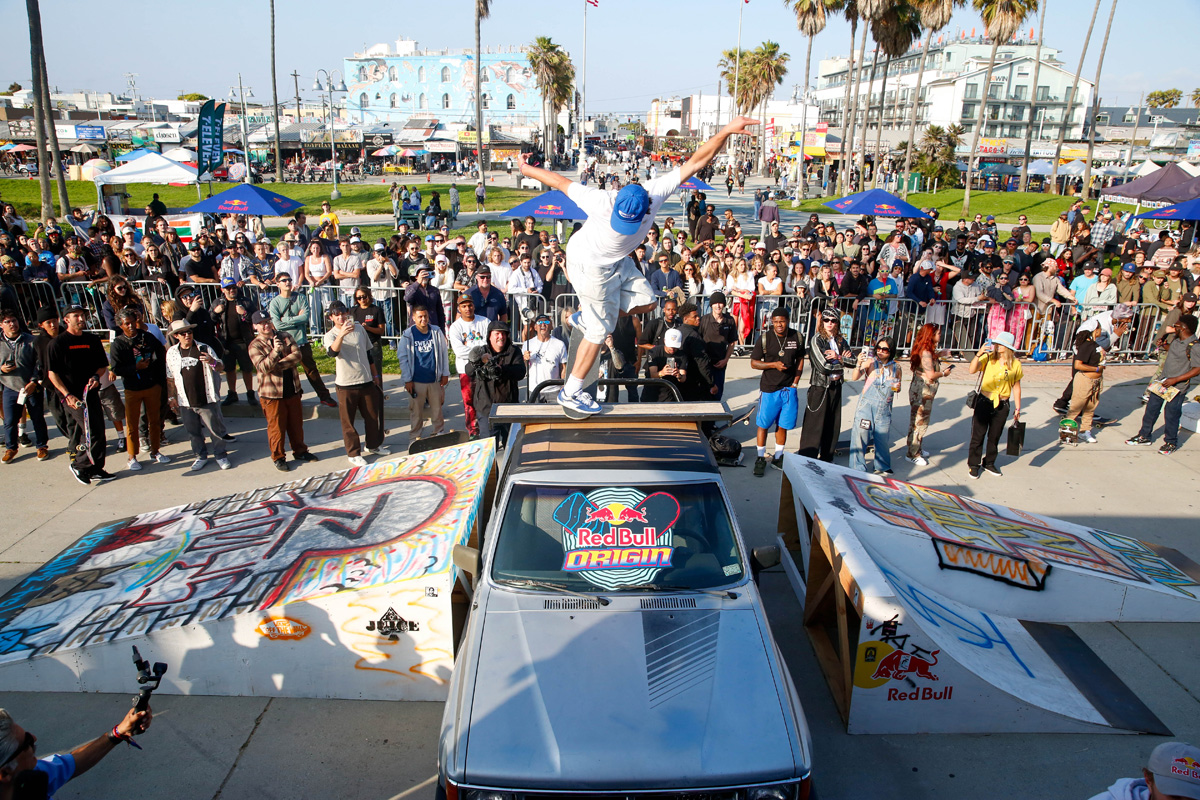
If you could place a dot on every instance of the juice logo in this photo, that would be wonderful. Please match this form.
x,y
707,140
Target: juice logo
x,y
617,536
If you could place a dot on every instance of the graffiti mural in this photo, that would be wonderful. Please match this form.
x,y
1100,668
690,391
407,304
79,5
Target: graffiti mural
x,y
1019,550
361,529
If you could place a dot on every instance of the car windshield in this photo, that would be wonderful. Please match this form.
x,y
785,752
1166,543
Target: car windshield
x,y
606,538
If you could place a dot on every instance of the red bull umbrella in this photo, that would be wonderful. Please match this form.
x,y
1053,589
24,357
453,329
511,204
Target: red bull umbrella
x,y
551,205
876,203
1187,210
247,198
696,185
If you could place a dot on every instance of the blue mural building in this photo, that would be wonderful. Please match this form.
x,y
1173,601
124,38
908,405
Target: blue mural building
x,y
389,85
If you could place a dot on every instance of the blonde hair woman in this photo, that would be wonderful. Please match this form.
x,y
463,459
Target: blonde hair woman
x,y
714,277
999,389
740,284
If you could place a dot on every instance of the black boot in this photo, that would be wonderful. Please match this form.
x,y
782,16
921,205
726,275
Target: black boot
x,y
230,399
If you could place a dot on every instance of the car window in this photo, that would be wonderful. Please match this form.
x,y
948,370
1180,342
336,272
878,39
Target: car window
x,y
612,537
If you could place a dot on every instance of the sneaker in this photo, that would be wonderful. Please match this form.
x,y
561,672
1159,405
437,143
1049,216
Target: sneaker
x,y
145,442
884,472
79,475
357,461
281,465
1100,422
1087,437
382,450
307,457
993,470
121,444
579,405
8,457
777,460
43,453
1138,440
159,458
230,399
974,473
331,403
24,440
198,464
228,437
251,399
1168,448
760,466
1060,409
164,439
919,461
223,463
134,465
924,454
101,476
1145,398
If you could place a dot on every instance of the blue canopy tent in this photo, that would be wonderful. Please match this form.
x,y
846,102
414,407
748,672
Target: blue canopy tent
x,y
877,203
553,205
1189,209
247,198
133,155
696,185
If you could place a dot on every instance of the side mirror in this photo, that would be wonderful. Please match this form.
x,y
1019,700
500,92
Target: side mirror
x,y
761,558
467,558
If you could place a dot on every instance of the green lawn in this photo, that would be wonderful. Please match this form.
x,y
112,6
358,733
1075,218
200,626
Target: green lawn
x,y
391,364
357,198
1041,209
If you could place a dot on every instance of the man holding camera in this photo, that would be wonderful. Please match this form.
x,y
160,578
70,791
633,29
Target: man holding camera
x,y
275,356
349,344
18,753
495,369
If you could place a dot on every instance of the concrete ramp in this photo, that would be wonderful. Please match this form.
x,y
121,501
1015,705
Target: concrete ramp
x,y
931,612
336,586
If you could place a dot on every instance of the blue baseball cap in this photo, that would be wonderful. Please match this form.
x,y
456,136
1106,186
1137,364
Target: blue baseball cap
x,y
228,281
631,207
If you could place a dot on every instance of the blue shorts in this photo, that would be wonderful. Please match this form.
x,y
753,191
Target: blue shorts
x,y
778,408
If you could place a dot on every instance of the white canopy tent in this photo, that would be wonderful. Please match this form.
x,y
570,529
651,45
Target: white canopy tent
x,y
1187,166
1144,169
150,168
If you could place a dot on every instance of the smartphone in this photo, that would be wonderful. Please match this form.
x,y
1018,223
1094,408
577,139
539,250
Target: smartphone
x,y
951,367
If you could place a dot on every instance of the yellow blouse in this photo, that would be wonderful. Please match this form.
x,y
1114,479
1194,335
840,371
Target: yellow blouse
x,y
998,380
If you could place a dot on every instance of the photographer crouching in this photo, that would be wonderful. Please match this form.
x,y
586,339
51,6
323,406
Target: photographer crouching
x,y
495,369
18,755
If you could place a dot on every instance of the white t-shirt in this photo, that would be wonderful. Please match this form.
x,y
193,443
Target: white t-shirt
x,y
745,282
466,335
478,243
546,360
596,242
288,265
381,273
500,275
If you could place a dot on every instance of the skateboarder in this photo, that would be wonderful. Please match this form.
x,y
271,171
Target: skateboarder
x,y
607,282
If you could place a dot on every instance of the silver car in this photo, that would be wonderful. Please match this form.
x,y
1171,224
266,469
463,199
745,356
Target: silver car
x,y
617,644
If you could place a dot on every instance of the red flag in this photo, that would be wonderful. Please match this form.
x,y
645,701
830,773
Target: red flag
x,y
595,3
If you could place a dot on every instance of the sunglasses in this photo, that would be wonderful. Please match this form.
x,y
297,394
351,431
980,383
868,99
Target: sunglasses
x,y
883,349
360,297
29,743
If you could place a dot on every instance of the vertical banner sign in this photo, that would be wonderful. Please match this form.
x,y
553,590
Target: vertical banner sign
x,y
211,136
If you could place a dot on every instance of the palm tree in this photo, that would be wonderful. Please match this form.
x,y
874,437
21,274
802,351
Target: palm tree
x,y
936,152
550,66
1001,19
935,15
731,71
811,16
870,10
850,9
1087,165
769,66
482,10
563,90
1195,97
895,30
275,103
1066,120
40,106
1037,68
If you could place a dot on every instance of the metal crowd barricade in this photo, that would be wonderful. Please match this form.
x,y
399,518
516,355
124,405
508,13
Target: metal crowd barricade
x,y
153,293
31,297
395,313
523,308
91,300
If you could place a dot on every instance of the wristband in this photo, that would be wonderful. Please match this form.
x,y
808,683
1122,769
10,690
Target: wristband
x,y
115,737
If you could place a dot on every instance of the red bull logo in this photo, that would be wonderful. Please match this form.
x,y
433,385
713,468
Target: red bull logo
x,y
234,205
1167,212
842,204
550,210
617,536
1186,767
616,512
898,665
881,207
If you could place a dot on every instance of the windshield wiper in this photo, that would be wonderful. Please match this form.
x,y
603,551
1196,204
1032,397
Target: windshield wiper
x,y
666,587
558,587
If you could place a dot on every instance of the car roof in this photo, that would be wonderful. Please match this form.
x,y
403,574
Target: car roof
x,y
663,446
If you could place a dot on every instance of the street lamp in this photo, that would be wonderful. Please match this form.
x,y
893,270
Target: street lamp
x,y
240,94
329,88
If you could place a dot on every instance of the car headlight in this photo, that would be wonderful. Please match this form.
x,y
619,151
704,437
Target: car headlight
x,y
782,791
488,794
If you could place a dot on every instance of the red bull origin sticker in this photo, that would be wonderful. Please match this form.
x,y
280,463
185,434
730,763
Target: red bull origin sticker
x,y
617,536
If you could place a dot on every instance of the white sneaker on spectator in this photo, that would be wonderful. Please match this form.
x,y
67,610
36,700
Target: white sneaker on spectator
x,y
382,450
919,461
223,463
133,465
1087,437
198,464
357,461
924,454
159,458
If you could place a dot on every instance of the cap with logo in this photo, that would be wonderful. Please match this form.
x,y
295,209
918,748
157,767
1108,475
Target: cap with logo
x,y
673,338
630,209
260,317
228,282
1176,769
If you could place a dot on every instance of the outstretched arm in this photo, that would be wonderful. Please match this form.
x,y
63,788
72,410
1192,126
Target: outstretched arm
x,y
551,179
707,151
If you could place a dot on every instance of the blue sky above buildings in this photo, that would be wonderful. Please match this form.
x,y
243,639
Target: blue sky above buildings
x,y
637,50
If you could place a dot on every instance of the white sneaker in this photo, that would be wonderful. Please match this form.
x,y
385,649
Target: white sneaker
x,y
357,461
576,319
924,454
579,405
198,464
223,463
1087,437
159,458
919,461
133,465
382,450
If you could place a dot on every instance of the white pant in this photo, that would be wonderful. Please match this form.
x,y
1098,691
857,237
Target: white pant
x,y
604,291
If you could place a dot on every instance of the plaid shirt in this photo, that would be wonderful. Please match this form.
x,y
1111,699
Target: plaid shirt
x,y
272,367
1102,234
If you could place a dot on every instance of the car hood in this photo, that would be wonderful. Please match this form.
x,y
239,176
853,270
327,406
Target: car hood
x,y
612,699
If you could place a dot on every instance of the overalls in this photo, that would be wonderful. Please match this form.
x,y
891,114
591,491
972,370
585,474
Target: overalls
x,y
873,417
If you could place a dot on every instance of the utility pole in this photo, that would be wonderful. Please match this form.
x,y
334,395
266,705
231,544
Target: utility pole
x,y
131,81
296,79
1137,117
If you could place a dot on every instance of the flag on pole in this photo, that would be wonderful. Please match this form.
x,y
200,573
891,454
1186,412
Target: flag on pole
x,y
595,3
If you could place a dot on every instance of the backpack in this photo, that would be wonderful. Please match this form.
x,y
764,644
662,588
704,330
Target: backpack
x,y
727,451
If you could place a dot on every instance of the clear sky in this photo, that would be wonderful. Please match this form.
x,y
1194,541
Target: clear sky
x,y
637,49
